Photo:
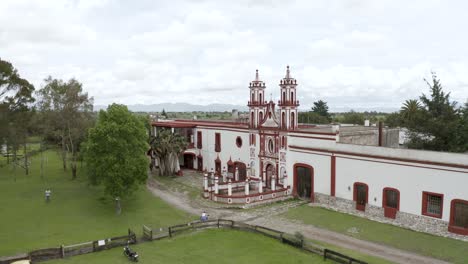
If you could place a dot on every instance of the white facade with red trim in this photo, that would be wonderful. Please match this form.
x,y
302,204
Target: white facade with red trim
x,y
277,154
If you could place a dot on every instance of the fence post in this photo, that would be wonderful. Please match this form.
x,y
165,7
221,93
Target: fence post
x,y
218,222
170,232
62,251
281,237
325,254
151,234
232,223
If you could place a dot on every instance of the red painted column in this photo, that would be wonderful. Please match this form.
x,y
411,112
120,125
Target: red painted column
x,y
333,175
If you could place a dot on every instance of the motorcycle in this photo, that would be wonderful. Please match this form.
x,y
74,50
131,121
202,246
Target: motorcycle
x,y
131,255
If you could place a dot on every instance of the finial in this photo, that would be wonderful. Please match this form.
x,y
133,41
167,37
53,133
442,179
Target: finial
x,y
271,96
256,75
287,72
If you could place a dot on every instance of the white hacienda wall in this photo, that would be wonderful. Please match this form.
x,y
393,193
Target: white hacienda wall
x,y
412,172
229,148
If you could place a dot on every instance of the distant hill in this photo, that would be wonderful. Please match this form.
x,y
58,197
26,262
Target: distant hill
x,y
180,107
185,107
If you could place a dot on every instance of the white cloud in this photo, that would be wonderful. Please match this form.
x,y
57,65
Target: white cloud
x,y
351,53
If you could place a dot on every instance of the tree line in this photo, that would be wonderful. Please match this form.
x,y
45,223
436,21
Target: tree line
x,y
112,144
433,121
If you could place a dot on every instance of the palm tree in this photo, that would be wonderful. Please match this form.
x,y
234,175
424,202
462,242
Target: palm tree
x,y
168,146
410,109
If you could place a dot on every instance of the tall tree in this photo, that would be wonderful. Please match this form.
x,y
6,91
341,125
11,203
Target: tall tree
x,y
115,152
67,110
168,146
164,114
15,110
410,109
320,107
435,127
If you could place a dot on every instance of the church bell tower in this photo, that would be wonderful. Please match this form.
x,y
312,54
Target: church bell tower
x,y
257,103
288,104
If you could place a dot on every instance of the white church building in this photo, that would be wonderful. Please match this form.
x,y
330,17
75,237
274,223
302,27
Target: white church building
x,y
357,170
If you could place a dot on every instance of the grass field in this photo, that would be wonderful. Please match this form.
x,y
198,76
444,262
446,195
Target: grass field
x,y
209,246
76,213
425,244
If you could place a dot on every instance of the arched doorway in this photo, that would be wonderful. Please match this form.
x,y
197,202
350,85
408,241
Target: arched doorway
x,y
361,195
304,182
269,173
242,169
188,160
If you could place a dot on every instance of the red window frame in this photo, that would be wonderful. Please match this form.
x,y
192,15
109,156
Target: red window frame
x,y
424,204
452,228
355,194
390,212
199,139
218,142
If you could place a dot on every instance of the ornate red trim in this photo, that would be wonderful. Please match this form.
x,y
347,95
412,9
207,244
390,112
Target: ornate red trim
x,y
381,157
389,211
359,207
332,175
312,193
424,204
452,228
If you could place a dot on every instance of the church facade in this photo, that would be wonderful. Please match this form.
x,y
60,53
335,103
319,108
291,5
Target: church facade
x,y
274,157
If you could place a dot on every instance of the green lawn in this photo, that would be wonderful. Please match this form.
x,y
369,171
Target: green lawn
x,y
422,243
209,246
77,212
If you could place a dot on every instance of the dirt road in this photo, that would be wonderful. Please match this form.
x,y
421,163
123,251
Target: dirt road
x,y
263,216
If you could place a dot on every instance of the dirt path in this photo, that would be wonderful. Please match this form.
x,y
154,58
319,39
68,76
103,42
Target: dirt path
x,y
263,217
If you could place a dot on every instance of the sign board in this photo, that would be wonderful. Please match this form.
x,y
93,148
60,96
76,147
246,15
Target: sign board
x,y
101,242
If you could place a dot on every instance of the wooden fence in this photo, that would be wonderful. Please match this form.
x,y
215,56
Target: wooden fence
x,y
150,234
73,250
286,238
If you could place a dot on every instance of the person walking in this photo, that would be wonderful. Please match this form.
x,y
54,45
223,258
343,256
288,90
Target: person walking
x,y
47,195
204,216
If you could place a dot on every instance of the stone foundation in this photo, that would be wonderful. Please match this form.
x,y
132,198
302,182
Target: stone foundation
x,y
418,223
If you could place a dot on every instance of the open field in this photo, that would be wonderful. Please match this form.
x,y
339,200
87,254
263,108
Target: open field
x,y
208,246
425,244
76,213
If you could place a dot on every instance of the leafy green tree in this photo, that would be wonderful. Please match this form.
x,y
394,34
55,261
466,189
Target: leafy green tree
x,y
312,118
164,114
15,111
353,117
410,109
168,146
115,152
393,120
460,140
321,108
436,125
68,113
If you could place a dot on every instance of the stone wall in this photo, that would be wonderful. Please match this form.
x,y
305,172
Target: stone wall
x,y
418,223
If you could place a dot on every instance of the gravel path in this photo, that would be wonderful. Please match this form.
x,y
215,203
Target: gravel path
x,y
263,216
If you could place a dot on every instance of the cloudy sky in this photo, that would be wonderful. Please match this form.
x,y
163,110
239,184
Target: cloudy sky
x,y
350,53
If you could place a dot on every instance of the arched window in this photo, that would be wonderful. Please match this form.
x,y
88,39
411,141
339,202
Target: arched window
x,y
292,97
283,120
292,120
261,101
252,97
252,119
260,118
284,96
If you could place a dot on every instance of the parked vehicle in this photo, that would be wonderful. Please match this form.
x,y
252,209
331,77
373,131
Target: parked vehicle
x,y
131,255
